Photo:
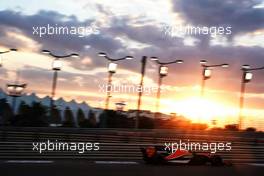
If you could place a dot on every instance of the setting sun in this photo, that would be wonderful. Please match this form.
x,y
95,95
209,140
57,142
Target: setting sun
x,y
202,110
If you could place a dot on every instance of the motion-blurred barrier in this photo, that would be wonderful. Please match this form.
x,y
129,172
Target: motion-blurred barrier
x,y
123,144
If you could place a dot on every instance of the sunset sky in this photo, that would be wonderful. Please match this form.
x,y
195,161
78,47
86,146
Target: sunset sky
x,y
137,28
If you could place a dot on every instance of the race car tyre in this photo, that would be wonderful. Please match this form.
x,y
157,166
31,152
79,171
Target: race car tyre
x,y
216,161
198,160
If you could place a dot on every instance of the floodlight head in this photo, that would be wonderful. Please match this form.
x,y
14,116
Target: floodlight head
x,y
164,71
56,65
179,61
225,65
248,77
203,61
13,50
74,55
45,51
129,57
112,67
245,67
154,58
207,73
101,54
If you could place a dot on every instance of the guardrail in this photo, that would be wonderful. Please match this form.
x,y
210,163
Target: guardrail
x,y
123,144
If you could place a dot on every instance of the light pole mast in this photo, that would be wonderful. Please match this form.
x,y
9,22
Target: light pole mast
x,y
247,76
56,67
141,84
158,92
207,72
163,71
112,66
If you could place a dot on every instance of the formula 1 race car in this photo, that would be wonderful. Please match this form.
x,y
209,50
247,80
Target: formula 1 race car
x,y
158,155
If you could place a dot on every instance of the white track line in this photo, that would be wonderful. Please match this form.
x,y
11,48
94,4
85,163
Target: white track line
x,y
256,164
116,162
30,161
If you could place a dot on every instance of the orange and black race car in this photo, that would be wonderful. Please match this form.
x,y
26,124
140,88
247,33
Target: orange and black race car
x,y
158,155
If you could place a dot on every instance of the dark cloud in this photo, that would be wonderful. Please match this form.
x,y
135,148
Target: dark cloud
x,y
145,34
240,15
43,78
62,43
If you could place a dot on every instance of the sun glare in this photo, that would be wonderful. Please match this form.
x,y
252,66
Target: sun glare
x,y
202,110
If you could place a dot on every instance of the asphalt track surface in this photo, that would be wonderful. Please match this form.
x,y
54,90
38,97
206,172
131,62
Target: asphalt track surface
x,y
115,168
